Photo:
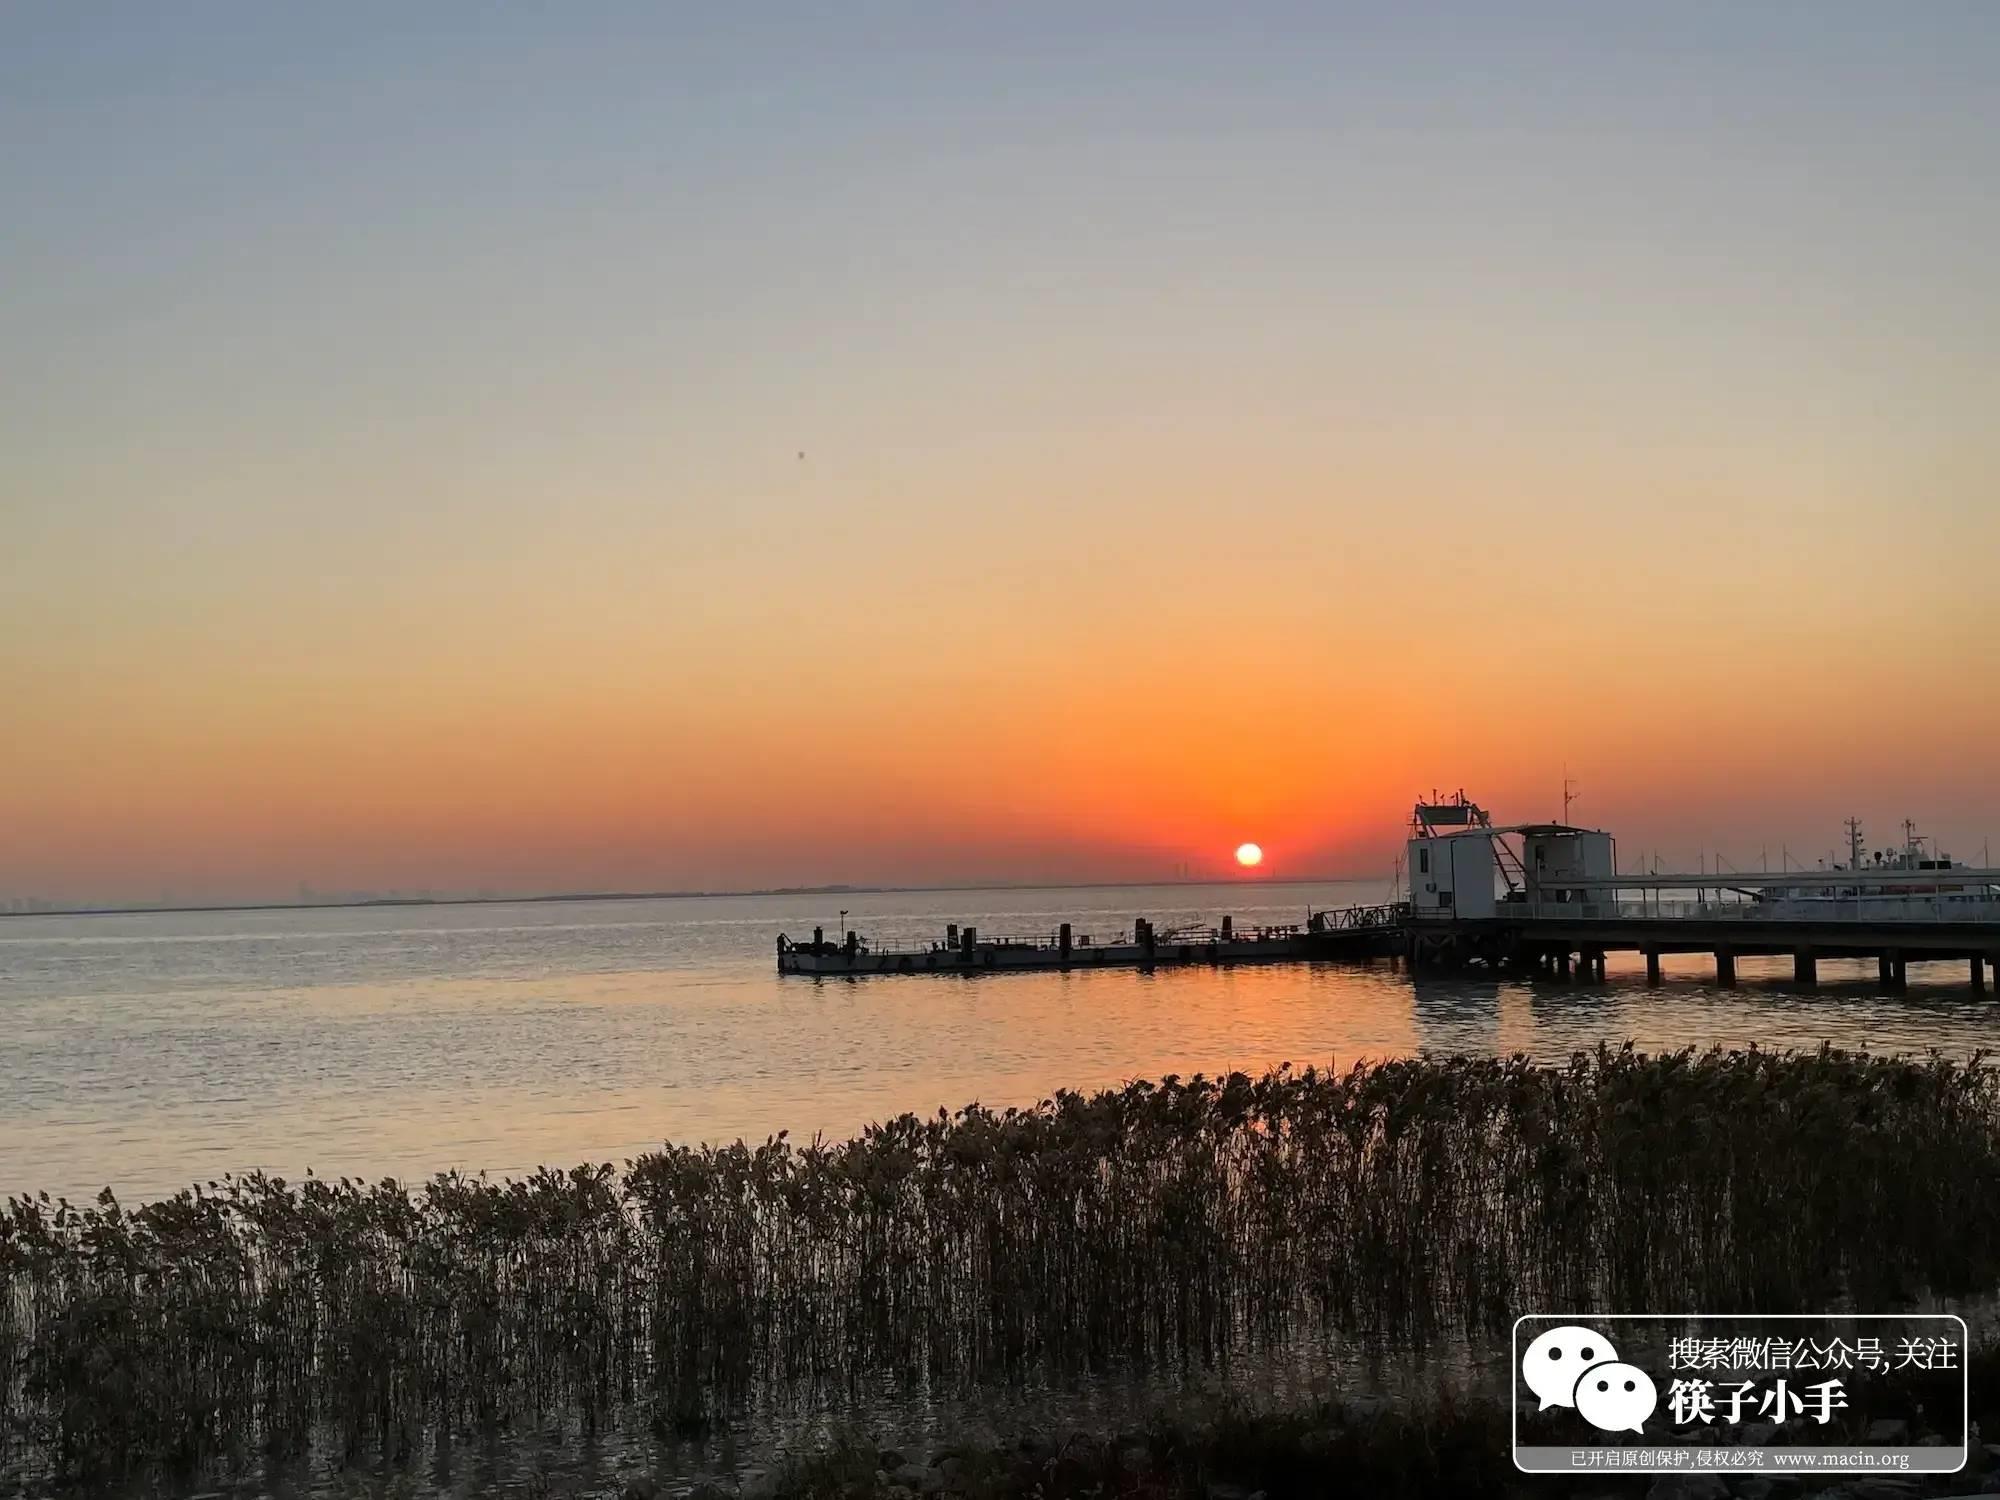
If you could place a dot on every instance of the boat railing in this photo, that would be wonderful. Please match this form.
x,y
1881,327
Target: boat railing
x,y
1190,935
1348,918
908,948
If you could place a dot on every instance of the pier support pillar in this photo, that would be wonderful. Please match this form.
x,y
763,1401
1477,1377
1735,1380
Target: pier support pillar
x,y
1652,966
1978,975
1562,966
1805,967
1885,970
1899,974
1725,966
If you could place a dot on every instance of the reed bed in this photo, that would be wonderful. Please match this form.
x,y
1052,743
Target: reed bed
x,y
1161,1224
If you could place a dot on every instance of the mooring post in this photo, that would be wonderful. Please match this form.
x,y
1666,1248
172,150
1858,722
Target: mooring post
x,y
1228,928
1064,938
1725,966
1652,966
1805,967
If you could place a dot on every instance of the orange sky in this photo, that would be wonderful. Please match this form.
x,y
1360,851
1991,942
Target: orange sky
x,y
1115,712
404,489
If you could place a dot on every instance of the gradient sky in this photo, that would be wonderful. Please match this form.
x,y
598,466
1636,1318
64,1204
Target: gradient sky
x,y
1218,422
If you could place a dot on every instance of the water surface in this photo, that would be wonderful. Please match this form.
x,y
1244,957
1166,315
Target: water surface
x,y
145,1052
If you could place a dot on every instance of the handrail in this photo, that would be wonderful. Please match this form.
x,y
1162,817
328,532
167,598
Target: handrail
x,y
1943,908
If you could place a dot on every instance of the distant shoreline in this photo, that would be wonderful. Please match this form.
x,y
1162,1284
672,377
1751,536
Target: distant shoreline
x,y
561,896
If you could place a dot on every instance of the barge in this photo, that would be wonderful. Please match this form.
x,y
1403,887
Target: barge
x,y
1350,932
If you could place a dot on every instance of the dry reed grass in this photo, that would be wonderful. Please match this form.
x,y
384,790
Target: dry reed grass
x,y
1181,1221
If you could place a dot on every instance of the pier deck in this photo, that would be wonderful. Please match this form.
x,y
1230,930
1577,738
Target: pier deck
x,y
1916,912
1549,943
1542,942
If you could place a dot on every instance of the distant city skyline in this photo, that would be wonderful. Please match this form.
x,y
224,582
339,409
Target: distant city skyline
x,y
640,448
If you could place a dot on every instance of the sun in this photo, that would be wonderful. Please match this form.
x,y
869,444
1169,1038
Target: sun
x,y
1248,855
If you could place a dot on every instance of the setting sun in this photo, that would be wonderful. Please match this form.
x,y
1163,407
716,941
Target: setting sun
x,y
1248,855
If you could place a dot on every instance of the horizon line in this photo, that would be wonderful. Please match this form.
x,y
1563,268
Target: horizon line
x,y
787,890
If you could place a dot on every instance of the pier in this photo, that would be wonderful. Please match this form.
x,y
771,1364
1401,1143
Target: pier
x,y
1562,945
1355,932
1534,899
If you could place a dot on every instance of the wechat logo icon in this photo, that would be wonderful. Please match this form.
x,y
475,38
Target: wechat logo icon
x,y
1578,1367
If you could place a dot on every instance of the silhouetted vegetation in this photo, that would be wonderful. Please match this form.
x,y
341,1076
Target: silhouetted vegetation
x,y
1158,1224
1439,1446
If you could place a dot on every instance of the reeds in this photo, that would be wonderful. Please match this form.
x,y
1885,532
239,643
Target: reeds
x,y
1166,1223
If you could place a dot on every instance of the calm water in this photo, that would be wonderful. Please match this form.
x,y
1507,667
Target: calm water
x,y
149,1051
